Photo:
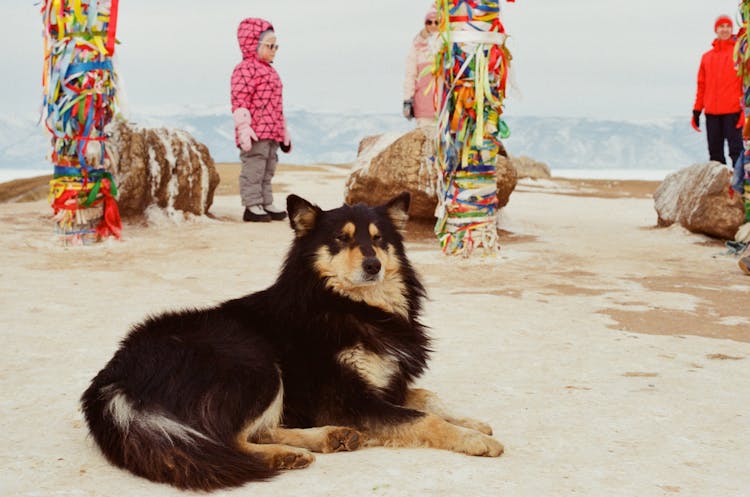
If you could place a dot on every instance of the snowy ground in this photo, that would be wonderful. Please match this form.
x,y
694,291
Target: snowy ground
x,y
610,357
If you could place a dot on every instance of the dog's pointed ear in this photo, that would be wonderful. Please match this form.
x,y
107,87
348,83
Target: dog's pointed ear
x,y
302,214
397,209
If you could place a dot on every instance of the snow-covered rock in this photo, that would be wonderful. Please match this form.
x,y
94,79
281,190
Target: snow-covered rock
x,y
526,167
162,167
698,198
386,167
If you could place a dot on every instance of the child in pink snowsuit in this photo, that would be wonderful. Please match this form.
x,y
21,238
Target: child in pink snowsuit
x,y
260,127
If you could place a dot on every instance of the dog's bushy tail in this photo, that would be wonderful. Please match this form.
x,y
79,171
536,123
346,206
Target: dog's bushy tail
x,y
154,446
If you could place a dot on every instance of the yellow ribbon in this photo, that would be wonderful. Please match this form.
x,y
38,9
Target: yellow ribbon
x,y
78,12
100,45
479,77
60,21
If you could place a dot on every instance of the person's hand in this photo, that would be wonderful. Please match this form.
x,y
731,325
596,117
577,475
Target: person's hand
x,y
245,133
246,136
741,120
408,110
696,123
286,145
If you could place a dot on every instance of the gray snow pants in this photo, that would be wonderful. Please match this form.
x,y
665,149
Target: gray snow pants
x,y
258,168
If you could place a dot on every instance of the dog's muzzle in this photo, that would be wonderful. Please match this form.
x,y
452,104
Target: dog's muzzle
x,y
371,267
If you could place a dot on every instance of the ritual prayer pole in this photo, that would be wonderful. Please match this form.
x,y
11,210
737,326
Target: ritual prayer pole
x,y
79,86
742,59
471,72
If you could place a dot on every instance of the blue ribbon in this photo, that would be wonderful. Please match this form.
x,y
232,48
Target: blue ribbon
x,y
93,65
94,174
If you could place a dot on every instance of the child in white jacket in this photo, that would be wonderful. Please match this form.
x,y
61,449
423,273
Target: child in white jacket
x,y
417,104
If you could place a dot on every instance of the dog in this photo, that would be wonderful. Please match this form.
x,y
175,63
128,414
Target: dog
x,y
321,361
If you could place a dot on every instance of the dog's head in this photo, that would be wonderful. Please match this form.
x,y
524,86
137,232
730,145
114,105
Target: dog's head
x,y
356,249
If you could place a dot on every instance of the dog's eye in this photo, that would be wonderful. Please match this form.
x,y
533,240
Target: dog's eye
x,y
376,238
344,238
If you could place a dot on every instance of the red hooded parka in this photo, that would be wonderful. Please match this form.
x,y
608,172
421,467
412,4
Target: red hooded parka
x,y
719,86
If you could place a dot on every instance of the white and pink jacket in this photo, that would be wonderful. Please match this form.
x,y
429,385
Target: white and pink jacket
x,y
421,55
256,85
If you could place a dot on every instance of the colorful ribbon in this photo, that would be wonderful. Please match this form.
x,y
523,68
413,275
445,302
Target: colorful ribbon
x,y
471,73
79,100
742,60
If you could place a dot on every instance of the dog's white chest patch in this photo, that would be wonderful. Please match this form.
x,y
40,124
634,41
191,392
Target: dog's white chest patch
x,y
377,370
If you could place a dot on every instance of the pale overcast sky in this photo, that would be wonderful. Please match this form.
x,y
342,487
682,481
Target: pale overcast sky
x,y
608,59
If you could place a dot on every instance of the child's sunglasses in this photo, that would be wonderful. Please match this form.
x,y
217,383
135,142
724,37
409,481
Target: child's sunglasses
x,y
431,23
271,46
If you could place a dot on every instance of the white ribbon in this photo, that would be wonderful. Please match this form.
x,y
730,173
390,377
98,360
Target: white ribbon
x,y
473,36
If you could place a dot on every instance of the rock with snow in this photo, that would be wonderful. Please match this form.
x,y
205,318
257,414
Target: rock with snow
x,y
391,163
388,165
166,168
526,167
743,233
698,198
369,142
507,179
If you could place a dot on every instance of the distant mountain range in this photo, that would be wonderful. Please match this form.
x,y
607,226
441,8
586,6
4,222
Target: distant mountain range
x,y
561,142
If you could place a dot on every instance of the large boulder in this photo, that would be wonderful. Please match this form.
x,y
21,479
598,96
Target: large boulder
x,y
698,199
161,167
507,179
743,233
386,167
530,168
165,168
389,164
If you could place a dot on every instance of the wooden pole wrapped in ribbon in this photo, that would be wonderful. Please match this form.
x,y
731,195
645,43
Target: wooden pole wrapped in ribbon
x,y
471,72
742,59
79,87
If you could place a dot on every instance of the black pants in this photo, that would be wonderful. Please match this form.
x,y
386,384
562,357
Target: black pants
x,y
720,127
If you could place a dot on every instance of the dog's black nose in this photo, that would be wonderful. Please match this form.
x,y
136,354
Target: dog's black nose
x,y
371,265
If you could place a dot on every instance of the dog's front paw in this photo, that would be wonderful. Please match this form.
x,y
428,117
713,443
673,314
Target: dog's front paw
x,y
343,439
473,424
477,444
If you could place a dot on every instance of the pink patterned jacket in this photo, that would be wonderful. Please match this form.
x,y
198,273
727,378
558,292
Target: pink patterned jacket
x,y
256,86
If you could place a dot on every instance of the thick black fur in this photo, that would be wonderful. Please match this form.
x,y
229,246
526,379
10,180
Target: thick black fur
x,y
185,383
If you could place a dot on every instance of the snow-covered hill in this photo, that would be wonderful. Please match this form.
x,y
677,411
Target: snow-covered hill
x,y
561,142
578,143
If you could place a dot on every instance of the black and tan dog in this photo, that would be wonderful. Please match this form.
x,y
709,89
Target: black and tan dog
x,y
321,361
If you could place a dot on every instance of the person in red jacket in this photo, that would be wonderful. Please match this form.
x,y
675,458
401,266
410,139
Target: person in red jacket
x,y
719,95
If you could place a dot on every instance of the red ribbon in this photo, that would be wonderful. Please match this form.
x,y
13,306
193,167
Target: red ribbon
x,y
112,28
63,201
111,223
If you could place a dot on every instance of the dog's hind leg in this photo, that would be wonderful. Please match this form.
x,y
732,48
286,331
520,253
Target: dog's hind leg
x,y
427,401
429,430
254,437
323,439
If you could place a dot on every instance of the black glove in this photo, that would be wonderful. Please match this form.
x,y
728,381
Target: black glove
x,y
697,120
408,109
